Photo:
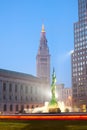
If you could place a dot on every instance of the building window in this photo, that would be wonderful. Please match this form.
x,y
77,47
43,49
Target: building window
x,y
35,90
86,70
10,97
32,106
11,107
16,98
26,89
4,97
15,88
27,106
31,90
4,86
16,107
5,107
10,87
21,87
31,98
22,108
21,98
26,98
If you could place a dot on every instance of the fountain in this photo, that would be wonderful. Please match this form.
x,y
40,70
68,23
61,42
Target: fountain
x,y
53,106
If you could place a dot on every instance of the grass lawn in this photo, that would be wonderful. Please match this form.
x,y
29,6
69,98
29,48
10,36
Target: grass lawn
x,y
43,125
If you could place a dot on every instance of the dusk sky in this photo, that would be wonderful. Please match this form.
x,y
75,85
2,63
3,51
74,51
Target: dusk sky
x,y
20,31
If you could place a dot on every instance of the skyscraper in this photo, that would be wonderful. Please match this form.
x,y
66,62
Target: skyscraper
x,y
43,58
79,57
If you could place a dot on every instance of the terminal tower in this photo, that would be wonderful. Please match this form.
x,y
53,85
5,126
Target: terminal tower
x,y
43,58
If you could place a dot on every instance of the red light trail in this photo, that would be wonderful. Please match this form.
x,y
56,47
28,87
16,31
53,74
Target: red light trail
x,y
44,117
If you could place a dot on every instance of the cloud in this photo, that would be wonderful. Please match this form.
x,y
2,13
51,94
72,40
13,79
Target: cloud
x,y
69,53
66,56
63,58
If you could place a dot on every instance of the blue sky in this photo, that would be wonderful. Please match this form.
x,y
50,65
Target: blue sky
x,y
20,30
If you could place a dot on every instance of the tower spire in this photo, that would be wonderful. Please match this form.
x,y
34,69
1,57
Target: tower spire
x,y
43,56
43,29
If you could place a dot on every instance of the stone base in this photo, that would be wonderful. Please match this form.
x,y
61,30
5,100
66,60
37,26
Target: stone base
x,y
54,110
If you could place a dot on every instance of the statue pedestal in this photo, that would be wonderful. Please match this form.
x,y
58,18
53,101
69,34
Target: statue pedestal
x,y
54,110
53,106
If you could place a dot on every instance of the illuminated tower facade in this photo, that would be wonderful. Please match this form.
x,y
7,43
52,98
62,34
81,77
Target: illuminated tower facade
x,y
43,58
79,57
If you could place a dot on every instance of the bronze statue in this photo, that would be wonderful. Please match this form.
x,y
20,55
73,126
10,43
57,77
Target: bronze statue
x,y
53,86
53,101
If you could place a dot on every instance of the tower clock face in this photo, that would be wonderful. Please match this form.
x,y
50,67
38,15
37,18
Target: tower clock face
x,y
43,59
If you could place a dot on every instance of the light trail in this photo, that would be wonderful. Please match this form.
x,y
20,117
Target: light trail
x,y
44,117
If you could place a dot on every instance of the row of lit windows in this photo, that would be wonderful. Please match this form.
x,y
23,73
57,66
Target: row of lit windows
x,y
67,91
80,32
80,26
11,107
74,90
80,53
10,97
79,59
80,79
80,48
82,14
81,89
79,44
82,94
80,63
79,95
77,69
17,88
81,83
22,98
82,11
80,39
83,52
79,73
82,17
74,74
80,35
82,7
82,58
10,87
81,2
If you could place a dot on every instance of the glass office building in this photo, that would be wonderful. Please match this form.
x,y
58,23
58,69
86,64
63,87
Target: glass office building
x,y
79,58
